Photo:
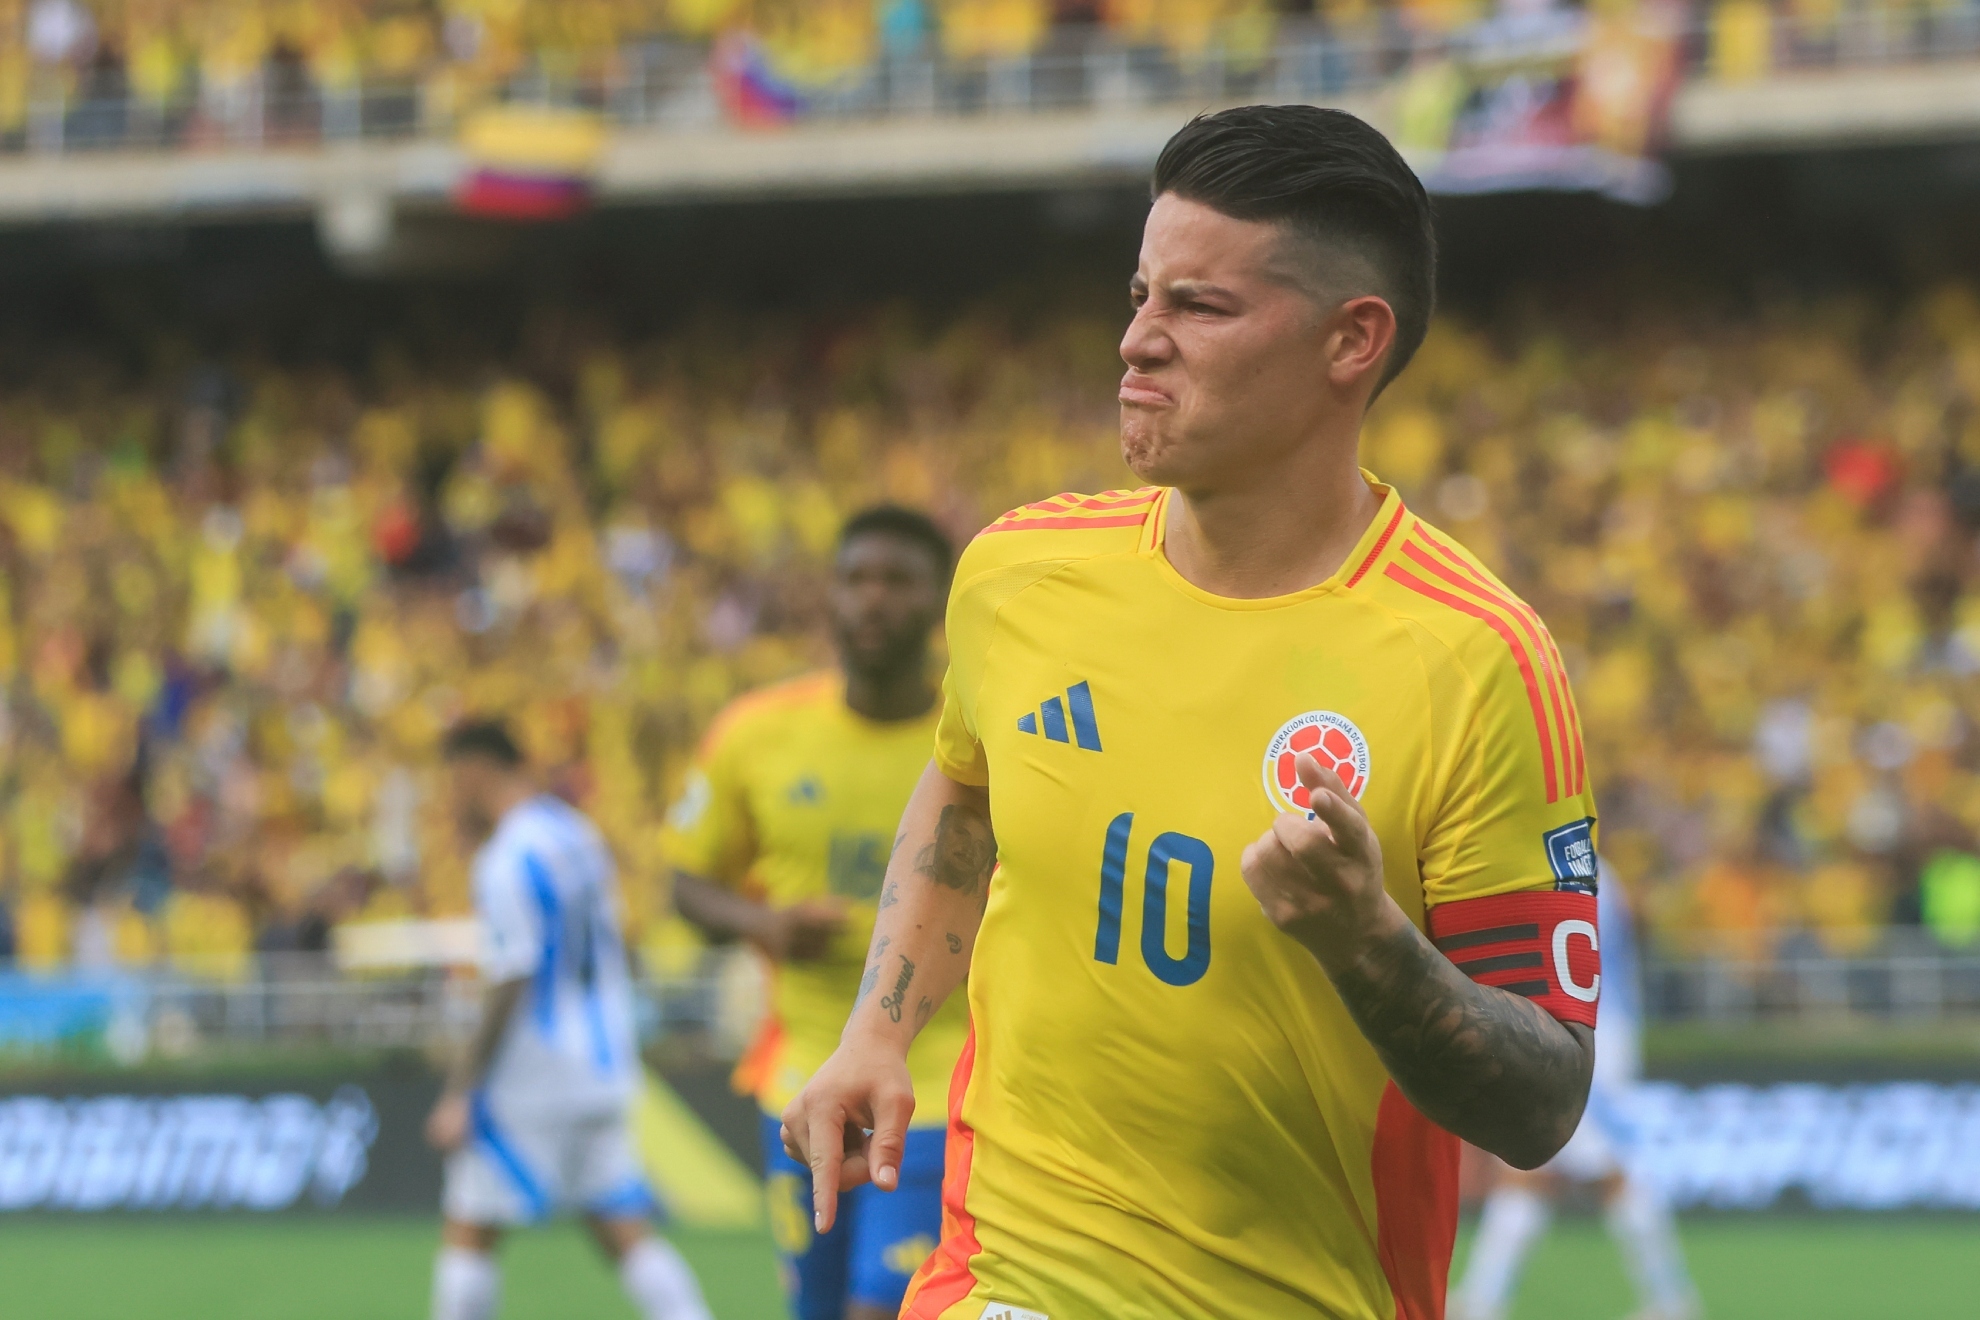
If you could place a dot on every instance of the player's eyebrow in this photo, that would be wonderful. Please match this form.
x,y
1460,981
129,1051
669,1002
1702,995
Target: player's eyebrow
x,y
1184,289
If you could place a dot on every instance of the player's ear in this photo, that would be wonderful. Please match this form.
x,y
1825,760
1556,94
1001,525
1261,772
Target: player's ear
x,y
1363,332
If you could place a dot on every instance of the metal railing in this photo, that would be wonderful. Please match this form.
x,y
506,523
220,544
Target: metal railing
x,y
713,1006
671,83
303,1000
1901,984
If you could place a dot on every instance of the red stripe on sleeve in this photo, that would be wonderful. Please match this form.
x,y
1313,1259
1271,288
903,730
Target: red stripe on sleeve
x,y
1398,573
1069,523
1577,778
1543,944
1415,1164
1574,719
945,1278
1539,643
1381,541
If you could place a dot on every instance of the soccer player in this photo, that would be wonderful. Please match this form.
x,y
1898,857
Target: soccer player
x,y
782,837
1639,1219
1252,800
533,1116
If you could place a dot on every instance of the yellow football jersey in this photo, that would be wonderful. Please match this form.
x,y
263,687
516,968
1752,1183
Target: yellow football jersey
x,y
795,796
1164,1109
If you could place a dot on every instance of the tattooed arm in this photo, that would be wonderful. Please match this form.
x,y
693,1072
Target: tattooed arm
x,y
1483,1063
850,1123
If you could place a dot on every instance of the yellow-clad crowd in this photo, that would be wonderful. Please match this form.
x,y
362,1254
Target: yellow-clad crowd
x,y
206,58
242,604
196,71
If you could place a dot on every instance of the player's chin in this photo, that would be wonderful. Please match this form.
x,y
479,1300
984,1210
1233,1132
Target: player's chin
x,y
1149,452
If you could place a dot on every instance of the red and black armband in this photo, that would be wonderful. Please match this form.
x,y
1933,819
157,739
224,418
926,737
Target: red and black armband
x,y
1543,945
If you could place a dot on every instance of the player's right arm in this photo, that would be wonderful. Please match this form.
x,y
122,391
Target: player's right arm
x,y
712,840
513,938
446,1126
850,1122
802,932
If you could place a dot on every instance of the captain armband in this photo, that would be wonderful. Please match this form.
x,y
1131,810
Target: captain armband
x,y
1543,945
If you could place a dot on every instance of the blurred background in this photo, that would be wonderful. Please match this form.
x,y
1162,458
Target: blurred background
x,y
368,363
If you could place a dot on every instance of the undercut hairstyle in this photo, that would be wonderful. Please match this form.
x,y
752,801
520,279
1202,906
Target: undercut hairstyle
x,y
488,739
910,525
1331,180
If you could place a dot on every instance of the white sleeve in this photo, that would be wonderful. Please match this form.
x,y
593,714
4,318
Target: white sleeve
x,y
511,920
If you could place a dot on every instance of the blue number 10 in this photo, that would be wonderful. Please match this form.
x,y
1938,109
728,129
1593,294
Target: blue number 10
x,y
1167,848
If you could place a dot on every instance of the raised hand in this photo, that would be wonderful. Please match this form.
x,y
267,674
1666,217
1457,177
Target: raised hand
x,y
1319,877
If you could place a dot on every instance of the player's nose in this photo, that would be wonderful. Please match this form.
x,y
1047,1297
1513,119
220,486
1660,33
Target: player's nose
x,y
1144,344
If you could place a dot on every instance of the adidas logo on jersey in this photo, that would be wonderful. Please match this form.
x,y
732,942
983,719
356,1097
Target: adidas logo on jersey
x,y
1005,1311
1050,719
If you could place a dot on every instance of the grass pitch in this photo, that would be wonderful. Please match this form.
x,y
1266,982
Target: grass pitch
x,y
376,1269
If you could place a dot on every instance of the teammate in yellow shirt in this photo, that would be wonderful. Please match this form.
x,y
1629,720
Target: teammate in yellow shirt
x,y
1258,815
782,837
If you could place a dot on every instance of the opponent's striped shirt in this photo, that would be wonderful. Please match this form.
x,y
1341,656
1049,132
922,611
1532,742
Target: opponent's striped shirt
x,y
545,890
1164,1109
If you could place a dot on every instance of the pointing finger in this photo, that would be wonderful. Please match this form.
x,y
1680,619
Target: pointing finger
x,y
828,1151
1316,776
1332,804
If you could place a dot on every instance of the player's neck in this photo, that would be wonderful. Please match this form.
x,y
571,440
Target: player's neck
x,y
903,695
510,794
1273,532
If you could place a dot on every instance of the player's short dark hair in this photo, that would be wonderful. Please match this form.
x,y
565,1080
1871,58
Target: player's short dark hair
x,y
910,525
483,738
1328,177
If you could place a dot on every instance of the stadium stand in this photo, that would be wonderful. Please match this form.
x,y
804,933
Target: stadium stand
x,y
245,600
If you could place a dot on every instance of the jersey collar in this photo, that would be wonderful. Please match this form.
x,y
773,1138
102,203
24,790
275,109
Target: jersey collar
x,y
1376,541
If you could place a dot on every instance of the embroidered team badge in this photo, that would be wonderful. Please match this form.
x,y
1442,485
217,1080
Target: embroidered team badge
x,y
1334,742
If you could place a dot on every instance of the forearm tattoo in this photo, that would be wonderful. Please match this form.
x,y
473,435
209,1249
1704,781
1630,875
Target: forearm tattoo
x,y
894,1002
1479,1062
871,977
964,851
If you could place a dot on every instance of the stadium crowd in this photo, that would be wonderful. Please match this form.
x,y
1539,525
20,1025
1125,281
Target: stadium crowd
x,y
243,602
81,73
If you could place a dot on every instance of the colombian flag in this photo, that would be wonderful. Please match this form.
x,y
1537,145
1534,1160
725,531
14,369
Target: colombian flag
x,y
529,162
753,93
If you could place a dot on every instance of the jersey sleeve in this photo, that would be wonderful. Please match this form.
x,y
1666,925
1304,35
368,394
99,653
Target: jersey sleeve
x,y
958,752
970,621
1508,856
709,831
994,567
511,918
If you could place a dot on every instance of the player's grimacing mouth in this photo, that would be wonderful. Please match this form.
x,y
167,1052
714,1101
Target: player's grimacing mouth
x,y
1140,391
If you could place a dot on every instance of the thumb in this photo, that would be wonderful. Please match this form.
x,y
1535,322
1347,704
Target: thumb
x,y
890,1120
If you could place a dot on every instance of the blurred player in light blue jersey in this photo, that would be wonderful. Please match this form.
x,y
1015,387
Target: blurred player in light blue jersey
x,y
534,1116
1600,1153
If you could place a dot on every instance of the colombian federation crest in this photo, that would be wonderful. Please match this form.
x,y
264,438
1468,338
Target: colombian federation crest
x,y
1332,740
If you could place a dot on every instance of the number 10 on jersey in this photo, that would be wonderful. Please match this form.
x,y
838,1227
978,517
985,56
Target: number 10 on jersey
x,y
1164,854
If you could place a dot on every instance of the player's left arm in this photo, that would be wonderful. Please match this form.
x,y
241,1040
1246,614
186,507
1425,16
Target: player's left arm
x,y
1489,1065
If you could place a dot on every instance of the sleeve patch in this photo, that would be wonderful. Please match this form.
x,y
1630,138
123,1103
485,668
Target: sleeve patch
x,y
1544,946
1571,854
